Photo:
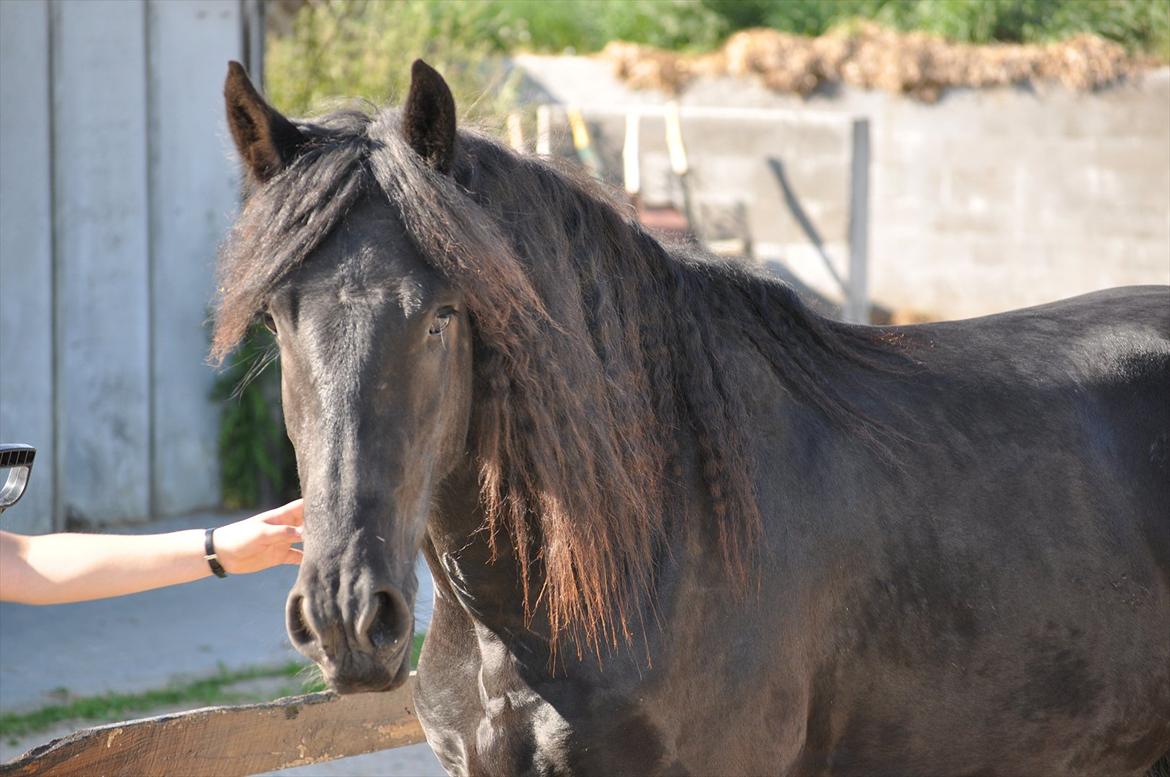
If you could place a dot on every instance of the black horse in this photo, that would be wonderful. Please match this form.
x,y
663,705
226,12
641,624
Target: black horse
x,y
678,523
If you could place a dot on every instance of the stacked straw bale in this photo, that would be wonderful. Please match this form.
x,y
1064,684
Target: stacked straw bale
x,y
867,55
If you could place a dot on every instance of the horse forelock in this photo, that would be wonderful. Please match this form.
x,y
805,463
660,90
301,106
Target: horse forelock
x,y
598,356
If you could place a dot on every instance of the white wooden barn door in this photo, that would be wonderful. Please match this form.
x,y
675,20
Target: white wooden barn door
x,y
116,185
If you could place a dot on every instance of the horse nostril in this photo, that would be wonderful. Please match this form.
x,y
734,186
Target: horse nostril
x,y
298,626
387,621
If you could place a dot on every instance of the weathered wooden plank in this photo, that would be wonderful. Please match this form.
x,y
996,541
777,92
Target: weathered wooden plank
x,y
234,740
26,254
101,242
193,191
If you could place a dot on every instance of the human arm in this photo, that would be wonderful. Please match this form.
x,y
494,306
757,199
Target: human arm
x,y
59,568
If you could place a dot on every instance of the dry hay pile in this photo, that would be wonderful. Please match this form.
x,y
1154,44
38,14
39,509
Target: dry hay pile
x,y
875,57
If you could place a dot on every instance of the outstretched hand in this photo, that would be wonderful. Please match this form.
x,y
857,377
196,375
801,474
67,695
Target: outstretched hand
x,y
261,541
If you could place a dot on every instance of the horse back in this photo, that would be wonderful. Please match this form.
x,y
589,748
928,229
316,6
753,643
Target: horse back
x,y
1005,569
1074,396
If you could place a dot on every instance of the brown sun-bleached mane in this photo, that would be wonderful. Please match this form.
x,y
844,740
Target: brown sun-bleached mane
x,y
596,353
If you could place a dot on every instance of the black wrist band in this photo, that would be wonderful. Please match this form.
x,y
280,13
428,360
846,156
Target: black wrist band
x,y
209,554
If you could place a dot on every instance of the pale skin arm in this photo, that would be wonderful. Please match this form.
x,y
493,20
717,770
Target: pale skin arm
x,y
60,568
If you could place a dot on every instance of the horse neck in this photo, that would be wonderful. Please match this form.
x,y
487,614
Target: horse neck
x,y
487,588
483,579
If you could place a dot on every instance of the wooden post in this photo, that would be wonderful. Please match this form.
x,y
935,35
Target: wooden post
x,y
678,160
543,131
631,171
582,142
515,132
857,295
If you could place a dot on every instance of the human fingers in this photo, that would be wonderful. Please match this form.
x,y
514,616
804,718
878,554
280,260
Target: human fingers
x,y
275,535
292,556
249,537
291,514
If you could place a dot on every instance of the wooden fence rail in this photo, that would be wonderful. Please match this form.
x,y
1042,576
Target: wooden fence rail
x,y
232,740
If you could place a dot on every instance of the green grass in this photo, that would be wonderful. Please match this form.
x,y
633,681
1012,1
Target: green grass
x,y
416,649
208,691
114,706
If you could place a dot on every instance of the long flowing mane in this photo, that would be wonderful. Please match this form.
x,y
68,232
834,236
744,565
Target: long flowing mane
x,y
596,352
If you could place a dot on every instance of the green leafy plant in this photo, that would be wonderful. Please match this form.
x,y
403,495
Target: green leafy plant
x,y
1140,25
357,48
586,25
257,464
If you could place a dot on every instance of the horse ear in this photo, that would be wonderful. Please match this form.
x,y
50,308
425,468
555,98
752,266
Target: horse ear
x,y
428,121
267,141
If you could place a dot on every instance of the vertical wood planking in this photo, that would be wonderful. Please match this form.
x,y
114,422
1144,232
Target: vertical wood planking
x,y
193,191
100,192
26,254
117,187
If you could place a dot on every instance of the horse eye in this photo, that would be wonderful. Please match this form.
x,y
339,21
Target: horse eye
x,y
442,319
269,322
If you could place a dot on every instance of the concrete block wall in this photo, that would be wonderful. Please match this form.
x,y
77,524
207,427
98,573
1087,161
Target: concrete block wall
x,y
116,185
984,201
1000,199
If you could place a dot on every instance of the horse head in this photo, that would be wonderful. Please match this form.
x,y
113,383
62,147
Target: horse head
x,y
375,352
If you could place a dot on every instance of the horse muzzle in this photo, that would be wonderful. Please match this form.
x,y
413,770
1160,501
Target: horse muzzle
x,y
356,628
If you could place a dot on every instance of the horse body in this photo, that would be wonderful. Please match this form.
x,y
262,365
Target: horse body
x,y
1007,582
678,524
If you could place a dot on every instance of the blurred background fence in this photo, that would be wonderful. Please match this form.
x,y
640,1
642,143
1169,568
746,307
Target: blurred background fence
x,y
1000,175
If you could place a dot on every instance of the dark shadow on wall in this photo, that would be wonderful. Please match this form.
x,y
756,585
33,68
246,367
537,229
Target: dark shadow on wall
x,y
802,219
